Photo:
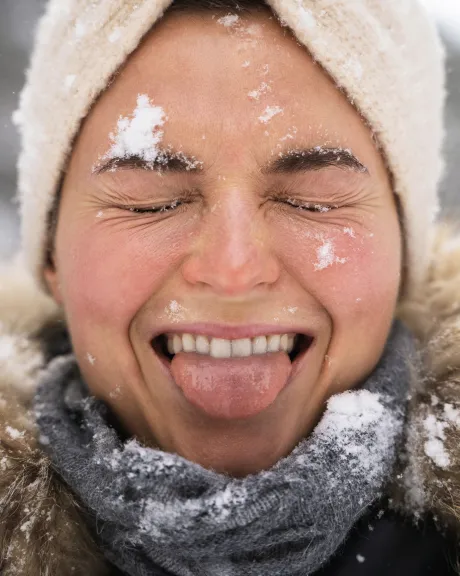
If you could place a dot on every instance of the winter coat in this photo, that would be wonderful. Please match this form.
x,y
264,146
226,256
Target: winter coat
x,y
42,531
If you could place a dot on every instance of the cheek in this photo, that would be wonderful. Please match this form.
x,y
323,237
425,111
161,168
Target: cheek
x,y
108,271
352,272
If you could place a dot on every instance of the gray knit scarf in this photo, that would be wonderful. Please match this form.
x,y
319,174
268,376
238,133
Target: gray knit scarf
x,y
153,508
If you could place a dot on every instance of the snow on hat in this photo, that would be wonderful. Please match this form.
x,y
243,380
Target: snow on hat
x,y
385,55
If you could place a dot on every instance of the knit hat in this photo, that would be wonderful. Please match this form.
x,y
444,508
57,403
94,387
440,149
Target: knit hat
x,y
384,54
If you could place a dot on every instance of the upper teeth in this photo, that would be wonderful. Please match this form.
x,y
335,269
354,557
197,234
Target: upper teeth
x,y
222,348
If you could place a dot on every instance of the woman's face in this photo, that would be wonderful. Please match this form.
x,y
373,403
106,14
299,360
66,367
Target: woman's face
x,y
278,218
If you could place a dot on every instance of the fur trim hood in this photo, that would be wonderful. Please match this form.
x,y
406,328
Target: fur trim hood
x,y
42,532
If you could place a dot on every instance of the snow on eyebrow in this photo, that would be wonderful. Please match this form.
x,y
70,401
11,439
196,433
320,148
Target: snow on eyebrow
x,y
326,256
140,134
269,113
229,20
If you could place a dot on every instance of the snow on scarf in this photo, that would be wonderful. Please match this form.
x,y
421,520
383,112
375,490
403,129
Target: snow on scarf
x,y
152,508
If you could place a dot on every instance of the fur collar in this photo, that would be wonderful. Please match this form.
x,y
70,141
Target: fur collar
x,y
41,528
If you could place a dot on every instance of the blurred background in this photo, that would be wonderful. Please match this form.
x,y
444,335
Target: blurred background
x,y
18,19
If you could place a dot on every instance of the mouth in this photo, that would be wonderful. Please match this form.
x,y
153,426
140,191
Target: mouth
x,y
302,343
231,379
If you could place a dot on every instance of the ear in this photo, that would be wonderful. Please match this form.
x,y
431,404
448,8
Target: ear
x,y
52,281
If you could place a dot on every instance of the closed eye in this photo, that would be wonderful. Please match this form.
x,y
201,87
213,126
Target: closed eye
x,y
164,208
310,206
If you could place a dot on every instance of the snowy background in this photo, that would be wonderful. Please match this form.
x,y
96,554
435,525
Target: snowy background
x,y
17,23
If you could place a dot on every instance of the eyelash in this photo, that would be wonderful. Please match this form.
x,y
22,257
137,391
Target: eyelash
x,y
309,206
178,206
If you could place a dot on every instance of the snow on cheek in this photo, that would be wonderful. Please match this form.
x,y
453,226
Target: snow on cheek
x,y
139,135
174,311
326,256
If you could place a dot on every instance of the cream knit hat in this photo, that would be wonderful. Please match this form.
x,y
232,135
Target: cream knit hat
x,y
384,54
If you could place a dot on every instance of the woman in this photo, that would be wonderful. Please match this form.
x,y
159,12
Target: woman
x,y
238,353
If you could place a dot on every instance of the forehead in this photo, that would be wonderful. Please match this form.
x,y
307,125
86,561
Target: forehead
x,y
236,80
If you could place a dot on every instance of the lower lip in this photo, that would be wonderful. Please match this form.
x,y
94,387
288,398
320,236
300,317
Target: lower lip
x,y
249,411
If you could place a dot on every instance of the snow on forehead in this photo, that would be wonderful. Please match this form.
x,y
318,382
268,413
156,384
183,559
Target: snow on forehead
x,y
229,20
139,135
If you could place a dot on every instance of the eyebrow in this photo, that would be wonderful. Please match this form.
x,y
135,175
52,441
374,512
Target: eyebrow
x,y
310,159
290,162
165,161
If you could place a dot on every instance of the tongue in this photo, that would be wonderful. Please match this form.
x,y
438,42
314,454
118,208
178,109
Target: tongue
x,y
231,387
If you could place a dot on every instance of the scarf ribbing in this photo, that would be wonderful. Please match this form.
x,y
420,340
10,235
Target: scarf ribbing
x,y
152,508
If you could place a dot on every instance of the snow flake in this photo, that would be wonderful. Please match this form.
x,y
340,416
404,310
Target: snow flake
x,y
434,446
305,18
116,392
360,558
69,81
17,118
115,35
326,256
269,113
27,526
229,20
91,359
291,309
174,311
13,433
452,414
262,89
80,29
139,135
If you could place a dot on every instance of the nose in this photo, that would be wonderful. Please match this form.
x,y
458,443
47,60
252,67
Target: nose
x,y
232,253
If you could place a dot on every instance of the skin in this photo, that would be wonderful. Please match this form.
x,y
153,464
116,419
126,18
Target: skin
x,y
234,255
